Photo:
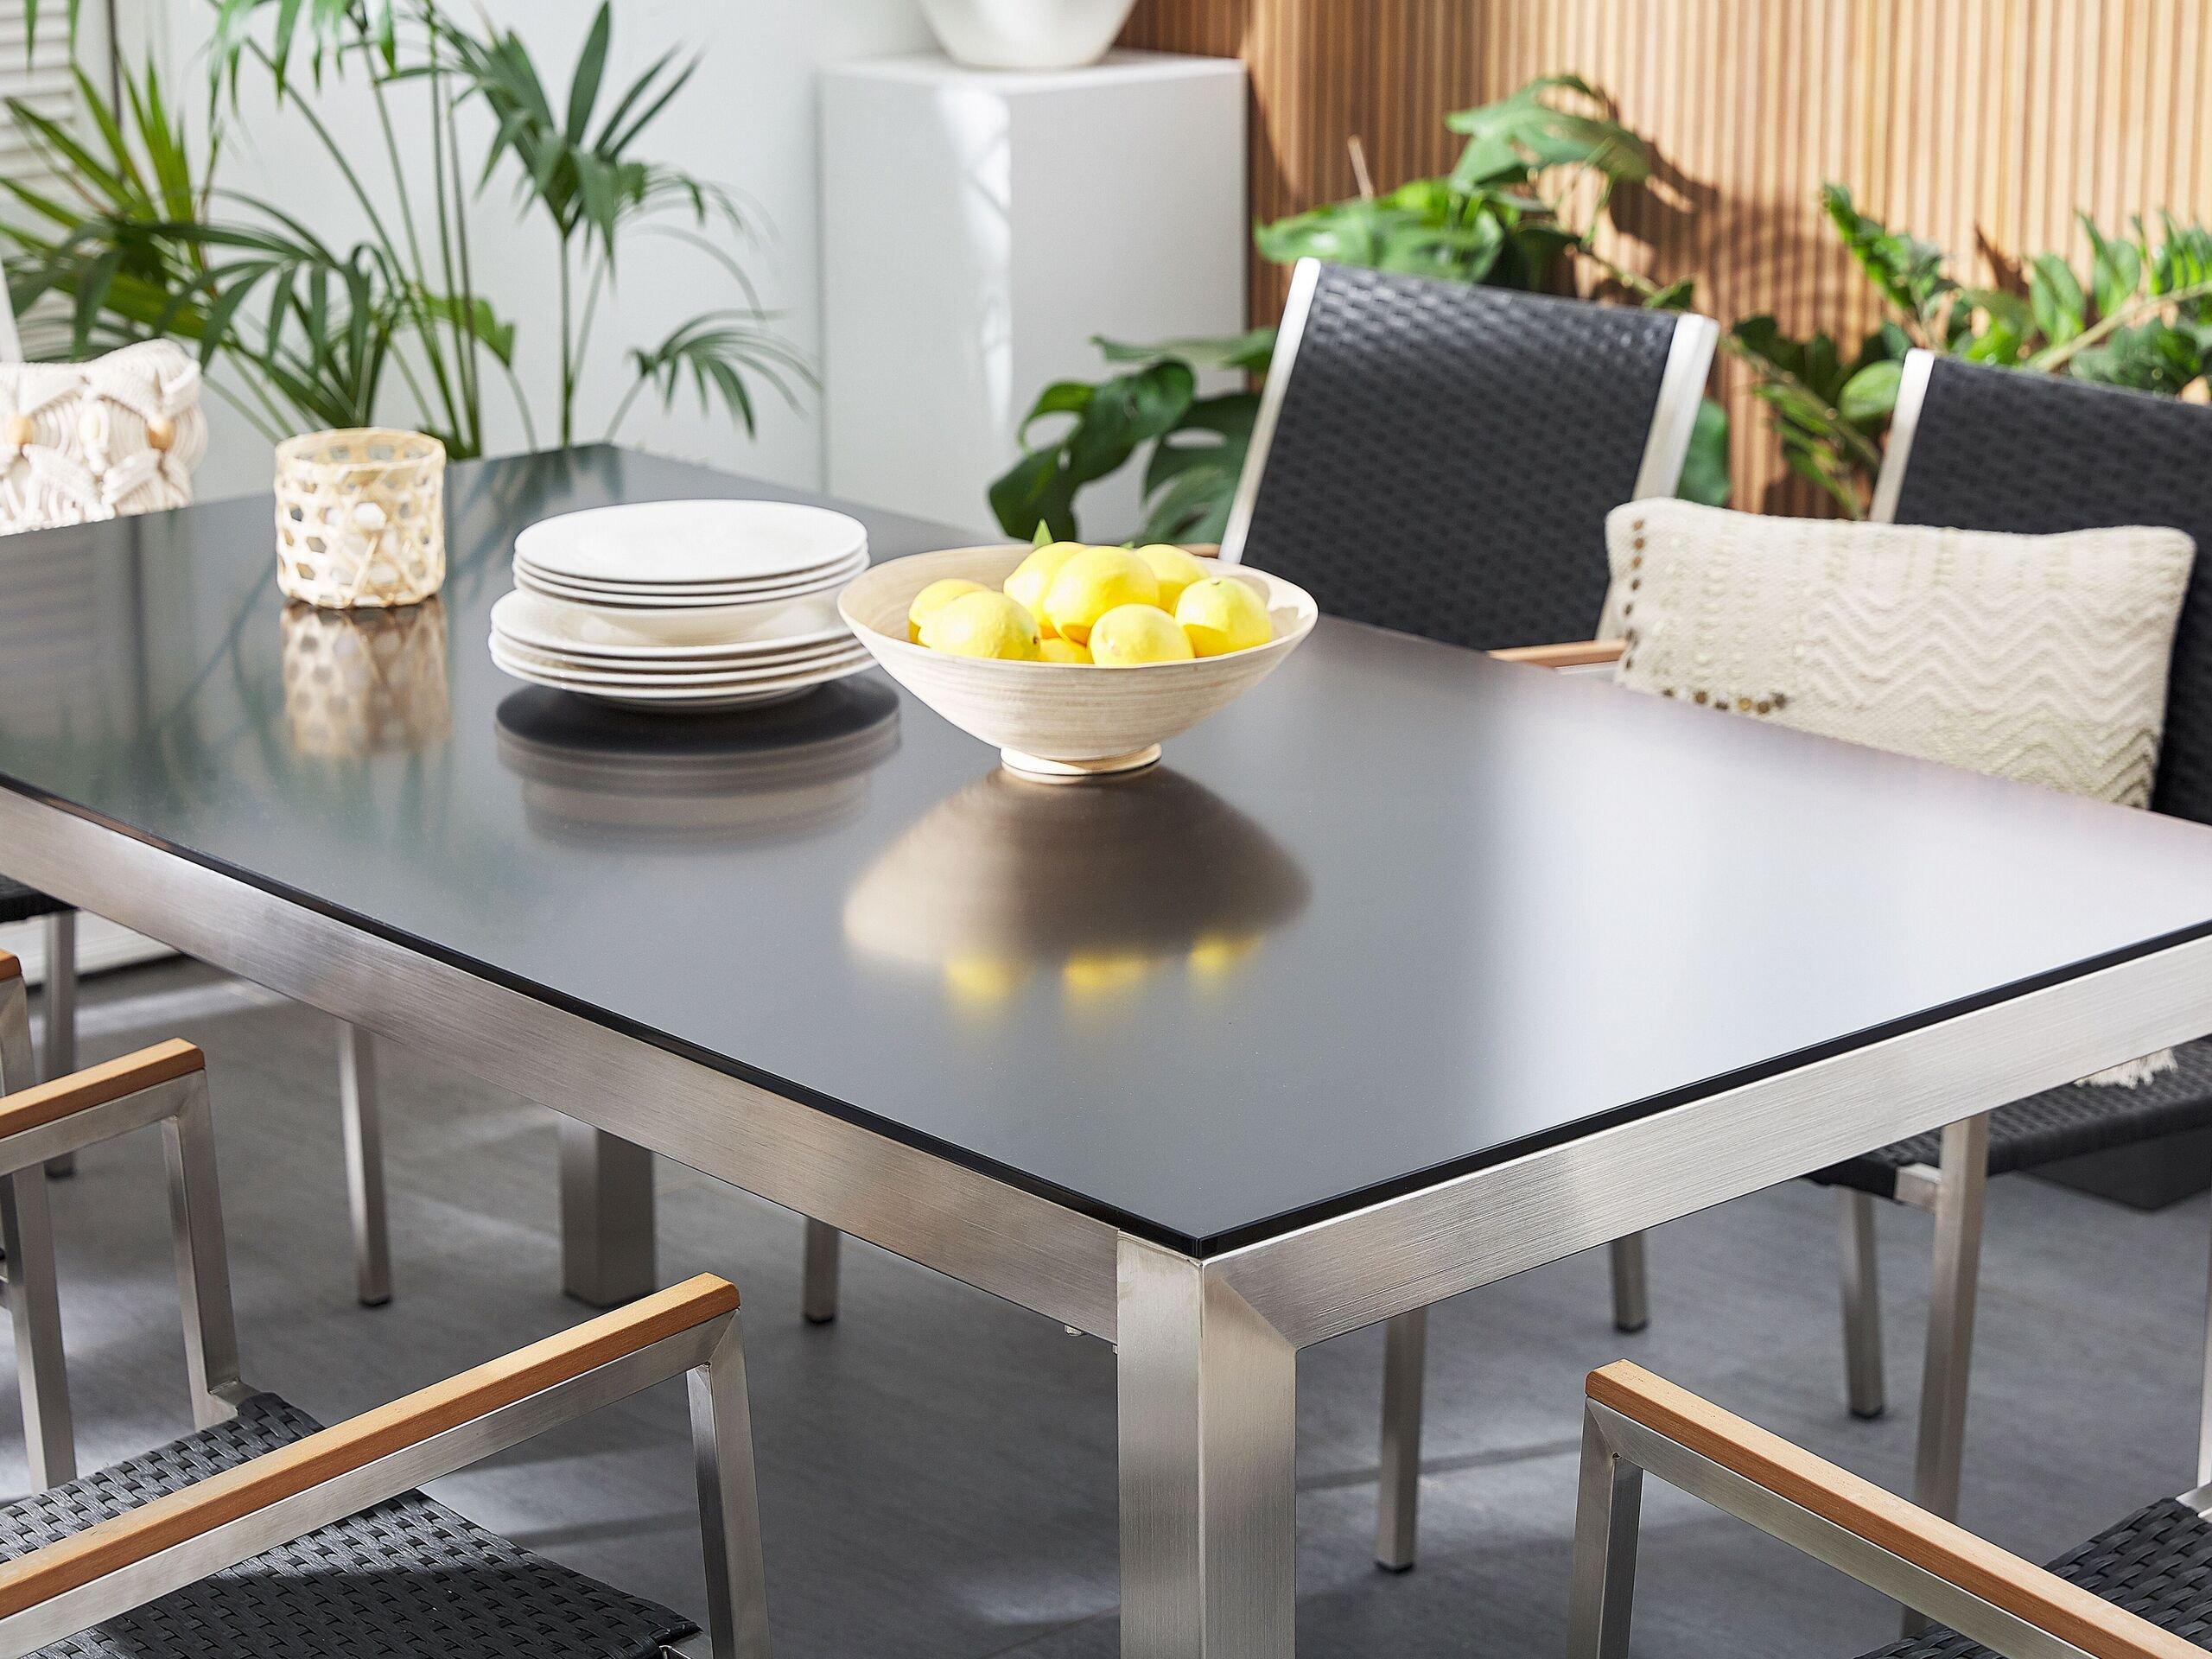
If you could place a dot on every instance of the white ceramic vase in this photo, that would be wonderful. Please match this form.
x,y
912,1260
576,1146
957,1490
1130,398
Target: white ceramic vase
x,y
1026,33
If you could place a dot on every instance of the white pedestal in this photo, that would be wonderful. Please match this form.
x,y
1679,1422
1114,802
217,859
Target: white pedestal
x,y
979,227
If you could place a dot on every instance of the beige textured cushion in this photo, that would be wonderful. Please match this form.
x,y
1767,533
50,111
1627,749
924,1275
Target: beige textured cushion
x,y
2038,658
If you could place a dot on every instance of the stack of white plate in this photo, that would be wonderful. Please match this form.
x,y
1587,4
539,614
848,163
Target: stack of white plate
x,y
683,605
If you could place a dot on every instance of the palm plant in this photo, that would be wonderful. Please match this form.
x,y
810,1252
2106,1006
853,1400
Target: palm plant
x,y
2141,318
142,242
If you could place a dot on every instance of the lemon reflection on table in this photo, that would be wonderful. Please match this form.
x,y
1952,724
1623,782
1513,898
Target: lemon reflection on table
x,y
366,682
594,773
1092,893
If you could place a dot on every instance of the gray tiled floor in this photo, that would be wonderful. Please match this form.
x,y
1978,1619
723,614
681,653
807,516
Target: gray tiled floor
x,y
938,1469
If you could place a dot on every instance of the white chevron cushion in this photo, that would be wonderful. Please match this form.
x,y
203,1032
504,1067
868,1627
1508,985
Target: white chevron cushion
x,y
2038,658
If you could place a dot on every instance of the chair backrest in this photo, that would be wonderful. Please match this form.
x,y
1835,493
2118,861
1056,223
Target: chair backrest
x,y
1975,448
1439,459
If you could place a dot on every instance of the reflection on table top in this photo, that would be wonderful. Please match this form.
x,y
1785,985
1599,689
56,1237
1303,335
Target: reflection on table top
x,y
1400,912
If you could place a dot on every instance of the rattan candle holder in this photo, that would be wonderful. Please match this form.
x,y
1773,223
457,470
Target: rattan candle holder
x,y
360,517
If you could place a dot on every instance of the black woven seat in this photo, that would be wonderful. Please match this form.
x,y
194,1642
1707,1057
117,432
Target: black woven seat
x,y
407,1579
2063,1122
20,904
2157,1564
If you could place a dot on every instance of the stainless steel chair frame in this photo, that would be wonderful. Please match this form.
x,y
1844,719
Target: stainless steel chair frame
x,y
179,1106
710,1351
1617,1452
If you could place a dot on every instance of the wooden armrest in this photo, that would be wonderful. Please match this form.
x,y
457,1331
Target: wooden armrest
x,y
268,1479
10,967
96,1085
1936,1546
1578,653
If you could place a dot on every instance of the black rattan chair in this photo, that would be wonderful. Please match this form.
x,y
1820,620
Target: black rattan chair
x,y
1975,448
263,1535
1439,459
1982,448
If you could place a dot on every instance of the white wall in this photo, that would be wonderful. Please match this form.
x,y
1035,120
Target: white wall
x,y
747,120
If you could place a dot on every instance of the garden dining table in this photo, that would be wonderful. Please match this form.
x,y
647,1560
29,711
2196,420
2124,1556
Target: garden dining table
x,y
1410,971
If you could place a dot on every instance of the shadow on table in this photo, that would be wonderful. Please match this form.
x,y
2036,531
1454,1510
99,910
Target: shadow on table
x,y
597,775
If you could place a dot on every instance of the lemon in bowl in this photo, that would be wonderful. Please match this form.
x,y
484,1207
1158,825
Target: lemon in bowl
x,y
1026,586
1220,615
983,624
933,598
1092,582
1173,568
1130,635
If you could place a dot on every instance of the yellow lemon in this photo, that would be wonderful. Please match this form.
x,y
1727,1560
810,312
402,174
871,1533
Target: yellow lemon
x,y
983,624
1091,583
1222,615
1026,586
1130,635
1173,570
933,597
1057,650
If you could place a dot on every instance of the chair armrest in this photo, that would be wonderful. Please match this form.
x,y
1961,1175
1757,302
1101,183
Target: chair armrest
x,y
1935,1546
10,967
96,1085
239,1494
1578,653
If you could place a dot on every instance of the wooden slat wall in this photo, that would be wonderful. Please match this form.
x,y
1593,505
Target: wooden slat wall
x,y
1981,124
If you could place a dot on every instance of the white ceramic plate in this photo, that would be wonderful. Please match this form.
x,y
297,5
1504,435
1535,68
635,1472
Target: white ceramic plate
x,y
682,674
855,561
645,668
565,628
670,600
657,543
724,690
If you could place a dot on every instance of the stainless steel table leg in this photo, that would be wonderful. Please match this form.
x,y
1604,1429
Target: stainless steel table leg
x,y
1631,1290
1405,1365
1862,1303
61,1012
34,1310
818,1292
362,1120
1208,1397
607,1217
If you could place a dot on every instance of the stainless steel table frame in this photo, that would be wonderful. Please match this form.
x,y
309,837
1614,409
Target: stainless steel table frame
x,y
1207,1348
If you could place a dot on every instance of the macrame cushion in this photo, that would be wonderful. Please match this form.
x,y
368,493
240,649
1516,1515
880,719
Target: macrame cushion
x,y
80,442
2042,659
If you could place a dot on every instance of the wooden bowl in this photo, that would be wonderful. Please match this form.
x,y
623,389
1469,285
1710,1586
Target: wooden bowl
x,y
1061,720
